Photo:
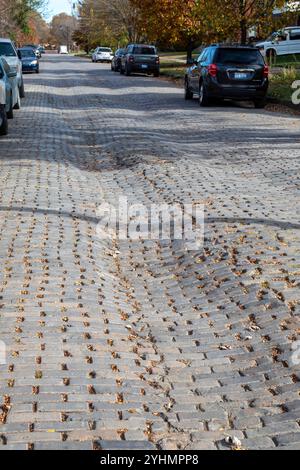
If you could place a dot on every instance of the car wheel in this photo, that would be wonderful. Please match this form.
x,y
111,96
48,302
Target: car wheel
x,y
156,74
188,95
203,97
18,103
3,117
22,90
10,113
260,104
121,70
127,71
37,71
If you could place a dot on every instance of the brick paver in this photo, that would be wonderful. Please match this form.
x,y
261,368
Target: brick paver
x,y
143,344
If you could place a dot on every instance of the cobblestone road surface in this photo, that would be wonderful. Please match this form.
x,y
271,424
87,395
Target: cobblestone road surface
x,y
144,344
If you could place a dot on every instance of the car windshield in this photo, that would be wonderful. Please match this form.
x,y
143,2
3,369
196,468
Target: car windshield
x,y
27,53
141,50
104,49
7,49
239,57
272,37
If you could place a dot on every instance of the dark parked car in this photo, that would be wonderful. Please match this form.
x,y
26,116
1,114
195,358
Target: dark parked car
x,y
228,72
140,58
34,48
116,62
30,62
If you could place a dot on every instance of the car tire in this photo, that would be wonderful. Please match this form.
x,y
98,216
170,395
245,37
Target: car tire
x,y
127,71
22,90
37,71
121,70
188,95
4,125
203,97
156,74
260,104
18,103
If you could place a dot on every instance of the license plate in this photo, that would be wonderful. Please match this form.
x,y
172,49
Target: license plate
x,y
240,76
144,66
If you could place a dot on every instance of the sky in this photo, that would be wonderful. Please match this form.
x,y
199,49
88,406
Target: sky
x,y
58,6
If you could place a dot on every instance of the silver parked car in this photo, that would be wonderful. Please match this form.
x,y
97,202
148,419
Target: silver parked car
x,y
9,94
8,50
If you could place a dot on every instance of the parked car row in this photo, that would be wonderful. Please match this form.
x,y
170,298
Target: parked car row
x,y
220,72
11,83
136,58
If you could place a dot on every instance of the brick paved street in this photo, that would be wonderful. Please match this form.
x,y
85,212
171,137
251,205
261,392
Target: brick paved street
x,y
143,344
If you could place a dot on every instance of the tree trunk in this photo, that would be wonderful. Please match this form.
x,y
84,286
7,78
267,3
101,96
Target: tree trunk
x,y
190,48
243,31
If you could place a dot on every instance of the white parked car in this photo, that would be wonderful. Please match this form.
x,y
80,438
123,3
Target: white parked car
x,y
63,50
8,50
103,54
284,42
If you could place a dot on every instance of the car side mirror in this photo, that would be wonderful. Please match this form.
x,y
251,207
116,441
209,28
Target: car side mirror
x,y
19,55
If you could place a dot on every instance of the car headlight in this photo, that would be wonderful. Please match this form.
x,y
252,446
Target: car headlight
x,y
34,62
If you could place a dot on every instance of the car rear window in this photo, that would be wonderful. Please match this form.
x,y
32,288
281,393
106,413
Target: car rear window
x,y
104,49
7,49
239,57
139,50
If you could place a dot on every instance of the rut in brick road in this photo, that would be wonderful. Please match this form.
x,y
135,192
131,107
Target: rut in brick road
x,y
144,344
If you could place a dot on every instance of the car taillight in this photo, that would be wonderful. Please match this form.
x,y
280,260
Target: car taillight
x,y
213,70
266,71
157,60
131,58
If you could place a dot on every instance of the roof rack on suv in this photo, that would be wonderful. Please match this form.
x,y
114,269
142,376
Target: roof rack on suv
x,y
231,44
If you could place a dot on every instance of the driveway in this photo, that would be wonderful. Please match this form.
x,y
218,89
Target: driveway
x,y
136,343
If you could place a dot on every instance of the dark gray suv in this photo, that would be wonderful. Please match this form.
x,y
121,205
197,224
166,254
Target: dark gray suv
x,y
140,58
228,72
